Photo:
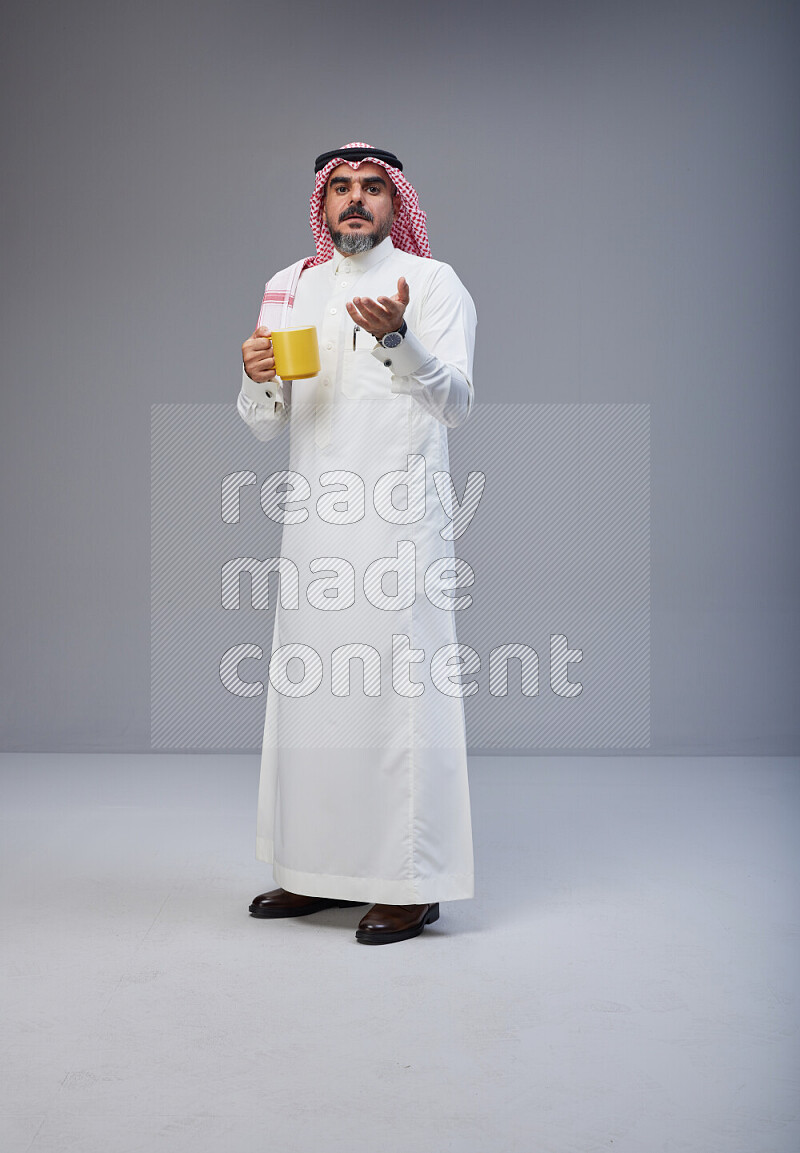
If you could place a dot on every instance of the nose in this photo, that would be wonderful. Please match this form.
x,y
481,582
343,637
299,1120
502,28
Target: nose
x,y
356,194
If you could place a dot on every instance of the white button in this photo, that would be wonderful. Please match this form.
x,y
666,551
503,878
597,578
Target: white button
x,y
343,284
333,312
326,383
329,346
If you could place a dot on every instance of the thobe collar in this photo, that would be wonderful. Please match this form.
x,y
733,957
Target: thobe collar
x,y
362,261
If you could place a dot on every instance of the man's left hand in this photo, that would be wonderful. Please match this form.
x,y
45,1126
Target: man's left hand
x,y
382,315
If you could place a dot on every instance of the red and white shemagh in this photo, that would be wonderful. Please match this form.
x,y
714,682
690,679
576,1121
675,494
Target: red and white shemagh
x,y
409,233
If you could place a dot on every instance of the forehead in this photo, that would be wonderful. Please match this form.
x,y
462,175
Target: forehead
x,y
364,171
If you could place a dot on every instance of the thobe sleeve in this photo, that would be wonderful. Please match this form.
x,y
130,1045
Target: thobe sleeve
x,y
262,407
434,362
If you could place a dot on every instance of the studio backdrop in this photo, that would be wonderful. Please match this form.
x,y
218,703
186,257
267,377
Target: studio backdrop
x,y
616,186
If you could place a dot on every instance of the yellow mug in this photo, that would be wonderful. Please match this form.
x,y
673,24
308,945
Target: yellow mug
x,y
296,352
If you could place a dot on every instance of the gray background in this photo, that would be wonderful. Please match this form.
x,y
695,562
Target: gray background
x,y
616,184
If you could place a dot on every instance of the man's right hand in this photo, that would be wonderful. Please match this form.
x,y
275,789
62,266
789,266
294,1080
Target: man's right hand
x,y
257,356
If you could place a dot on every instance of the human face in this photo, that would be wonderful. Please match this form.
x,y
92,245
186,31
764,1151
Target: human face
x,y
359,206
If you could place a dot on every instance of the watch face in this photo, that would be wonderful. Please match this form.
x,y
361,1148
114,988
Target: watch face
x,y
391,340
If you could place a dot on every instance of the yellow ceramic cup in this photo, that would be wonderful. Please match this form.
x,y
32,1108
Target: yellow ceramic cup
x,y
296,352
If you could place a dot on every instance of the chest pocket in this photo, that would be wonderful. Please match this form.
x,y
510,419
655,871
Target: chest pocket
x,y
363,341
363,375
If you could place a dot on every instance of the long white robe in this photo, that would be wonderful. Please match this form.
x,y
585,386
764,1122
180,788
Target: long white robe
x,y
365,797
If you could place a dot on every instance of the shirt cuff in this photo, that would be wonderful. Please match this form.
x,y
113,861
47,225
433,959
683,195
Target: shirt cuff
x,y
403,361
267,397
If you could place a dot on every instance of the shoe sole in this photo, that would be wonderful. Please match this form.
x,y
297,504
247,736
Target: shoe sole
x,y
267,913
387,937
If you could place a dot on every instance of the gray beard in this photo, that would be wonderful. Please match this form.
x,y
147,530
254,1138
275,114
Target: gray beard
x,y
351,243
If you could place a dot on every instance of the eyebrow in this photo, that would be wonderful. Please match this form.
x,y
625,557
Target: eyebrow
x,y
349,180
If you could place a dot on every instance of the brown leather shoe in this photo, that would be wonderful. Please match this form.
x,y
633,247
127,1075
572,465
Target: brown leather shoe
x,y
386,923
281,903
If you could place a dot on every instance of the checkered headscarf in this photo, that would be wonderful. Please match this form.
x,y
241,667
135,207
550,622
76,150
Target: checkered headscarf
x,y
409,232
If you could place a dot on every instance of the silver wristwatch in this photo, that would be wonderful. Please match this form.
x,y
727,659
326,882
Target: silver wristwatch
x,y
392,339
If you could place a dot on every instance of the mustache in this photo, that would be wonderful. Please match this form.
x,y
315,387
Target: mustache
x,y
355,210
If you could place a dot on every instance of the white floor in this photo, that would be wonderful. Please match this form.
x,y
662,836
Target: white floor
x,y
625,979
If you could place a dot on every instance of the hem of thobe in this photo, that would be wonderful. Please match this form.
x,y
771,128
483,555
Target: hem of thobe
x,y
375,890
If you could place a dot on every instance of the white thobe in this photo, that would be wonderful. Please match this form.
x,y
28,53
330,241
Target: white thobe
x,y
363,792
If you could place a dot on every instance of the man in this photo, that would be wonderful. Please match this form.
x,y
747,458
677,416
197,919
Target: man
x,y
363,796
